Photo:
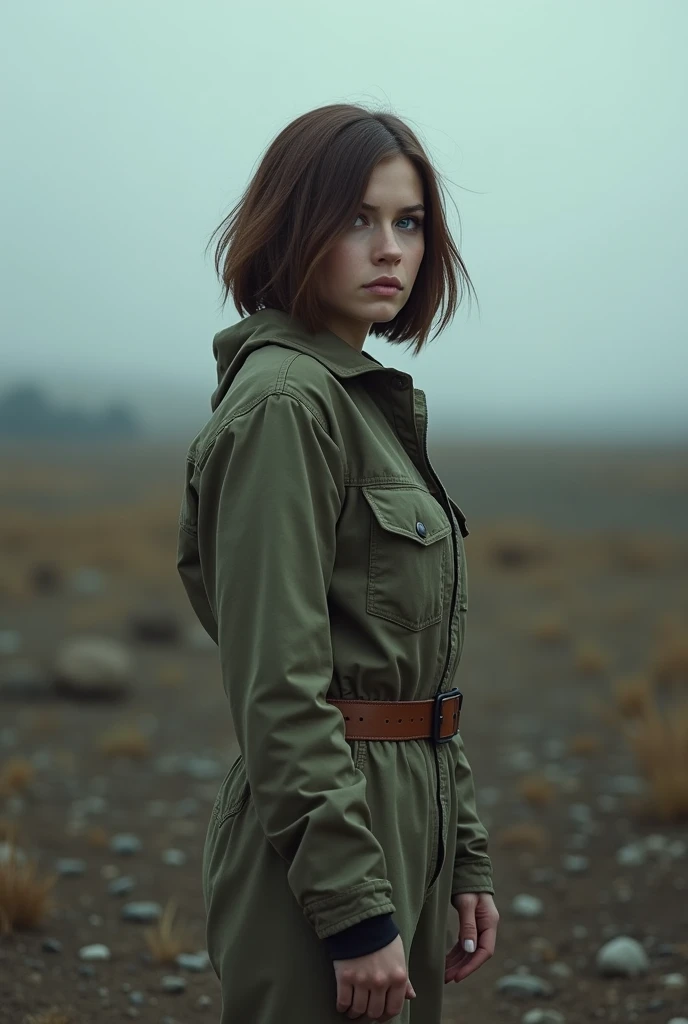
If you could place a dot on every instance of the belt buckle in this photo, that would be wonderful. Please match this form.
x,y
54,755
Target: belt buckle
x,y
437,714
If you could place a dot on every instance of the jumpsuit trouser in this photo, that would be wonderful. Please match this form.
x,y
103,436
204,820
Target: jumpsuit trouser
x,y
272,966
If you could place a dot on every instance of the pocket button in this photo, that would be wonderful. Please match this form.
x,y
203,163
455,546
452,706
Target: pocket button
x,y
421,529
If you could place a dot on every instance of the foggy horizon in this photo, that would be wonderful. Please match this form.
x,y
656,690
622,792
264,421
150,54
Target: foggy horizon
x,y
131,135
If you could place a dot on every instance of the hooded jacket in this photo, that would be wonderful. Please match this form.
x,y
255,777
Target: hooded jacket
x,y
322,553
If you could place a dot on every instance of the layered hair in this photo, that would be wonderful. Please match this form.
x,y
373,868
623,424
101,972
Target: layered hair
x,y
304,195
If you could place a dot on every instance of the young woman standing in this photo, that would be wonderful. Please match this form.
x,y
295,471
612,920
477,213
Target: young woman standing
x,y
322,553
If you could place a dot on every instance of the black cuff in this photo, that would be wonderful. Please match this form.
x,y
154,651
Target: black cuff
x,y
362,938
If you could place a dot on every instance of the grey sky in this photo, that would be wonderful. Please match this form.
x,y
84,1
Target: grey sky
x,y
133,126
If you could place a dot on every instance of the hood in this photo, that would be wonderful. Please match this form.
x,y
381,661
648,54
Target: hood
x,y
233,345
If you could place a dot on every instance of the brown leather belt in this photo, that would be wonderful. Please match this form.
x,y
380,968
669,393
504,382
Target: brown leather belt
x,y
436,719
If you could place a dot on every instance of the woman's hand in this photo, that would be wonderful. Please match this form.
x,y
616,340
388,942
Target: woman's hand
x,y
478,920
374,985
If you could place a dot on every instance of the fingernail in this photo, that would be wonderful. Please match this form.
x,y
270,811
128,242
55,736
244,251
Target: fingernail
x,y
469,945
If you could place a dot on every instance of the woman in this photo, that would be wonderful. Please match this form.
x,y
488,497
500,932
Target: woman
x,y
321,552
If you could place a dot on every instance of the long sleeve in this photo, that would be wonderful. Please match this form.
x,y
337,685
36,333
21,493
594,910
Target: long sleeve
x,y
472,864
271,490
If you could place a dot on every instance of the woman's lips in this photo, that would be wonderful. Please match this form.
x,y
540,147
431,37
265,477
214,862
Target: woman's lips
x,y
382,289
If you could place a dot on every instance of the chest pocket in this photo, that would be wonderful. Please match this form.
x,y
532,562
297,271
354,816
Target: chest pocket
x,y
408,556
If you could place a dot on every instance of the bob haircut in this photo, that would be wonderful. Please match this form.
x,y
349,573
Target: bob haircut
x,y
307,190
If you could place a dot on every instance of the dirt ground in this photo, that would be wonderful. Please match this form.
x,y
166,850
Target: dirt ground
x,y
575,680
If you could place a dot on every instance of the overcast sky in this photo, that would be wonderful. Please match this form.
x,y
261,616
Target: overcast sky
x,y
134,125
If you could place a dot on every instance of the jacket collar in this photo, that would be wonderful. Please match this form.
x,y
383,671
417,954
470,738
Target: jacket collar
x,y
331,350
233,345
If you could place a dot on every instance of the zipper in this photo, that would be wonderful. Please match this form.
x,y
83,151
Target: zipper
x,y
450,644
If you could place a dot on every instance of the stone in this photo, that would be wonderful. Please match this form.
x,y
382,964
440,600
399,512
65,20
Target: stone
x,y
93,667
8,852
45,577
173,983
88,581
575,863
142,911
675,980
70,867
95,952
622,956
523,986
174,858
121,886
524,905
126,844
155,625
193,961
537,1016
631,855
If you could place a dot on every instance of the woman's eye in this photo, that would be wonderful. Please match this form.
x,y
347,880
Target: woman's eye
x,y
414,221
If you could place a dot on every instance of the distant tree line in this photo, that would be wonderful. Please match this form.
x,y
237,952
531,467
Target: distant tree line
x,y
26,411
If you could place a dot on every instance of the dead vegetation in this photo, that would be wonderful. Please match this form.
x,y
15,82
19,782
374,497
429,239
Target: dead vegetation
x,y
25,896
536,790
651,710
524,835
124,740
16,776
591,660
550,629
54,1015
168,937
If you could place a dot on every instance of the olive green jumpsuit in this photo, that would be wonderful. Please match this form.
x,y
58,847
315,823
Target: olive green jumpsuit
x,y
301,556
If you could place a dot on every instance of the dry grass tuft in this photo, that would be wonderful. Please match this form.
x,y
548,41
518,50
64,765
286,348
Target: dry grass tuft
x,y
25,898
550,630
52,1016
669,663
9,831
97,837
659,741
170,674
124,741
636,554
633,696
16,775
168,938
591,660
525,835
45,722
520,547
537,790
585,743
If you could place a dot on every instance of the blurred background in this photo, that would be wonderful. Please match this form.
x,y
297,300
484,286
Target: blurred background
x,y
558,421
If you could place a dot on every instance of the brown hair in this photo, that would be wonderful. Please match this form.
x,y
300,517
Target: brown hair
x,y
308,187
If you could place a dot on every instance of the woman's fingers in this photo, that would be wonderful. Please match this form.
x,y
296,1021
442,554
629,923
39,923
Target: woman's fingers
x,y
460,964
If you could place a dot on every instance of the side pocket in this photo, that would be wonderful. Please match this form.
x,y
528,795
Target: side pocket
x,y
233,793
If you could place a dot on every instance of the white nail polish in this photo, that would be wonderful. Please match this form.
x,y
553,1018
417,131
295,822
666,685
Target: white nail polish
x,y
469,945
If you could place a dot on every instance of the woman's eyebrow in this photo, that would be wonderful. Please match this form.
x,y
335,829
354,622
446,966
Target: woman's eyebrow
x,y
402,209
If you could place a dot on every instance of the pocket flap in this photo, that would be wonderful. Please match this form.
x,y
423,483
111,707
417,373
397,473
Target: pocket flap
x,y
403,509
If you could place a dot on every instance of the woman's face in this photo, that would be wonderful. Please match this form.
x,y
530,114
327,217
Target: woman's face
x,y
385,240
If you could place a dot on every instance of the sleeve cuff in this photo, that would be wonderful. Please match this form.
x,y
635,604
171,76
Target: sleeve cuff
x,y
360,939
